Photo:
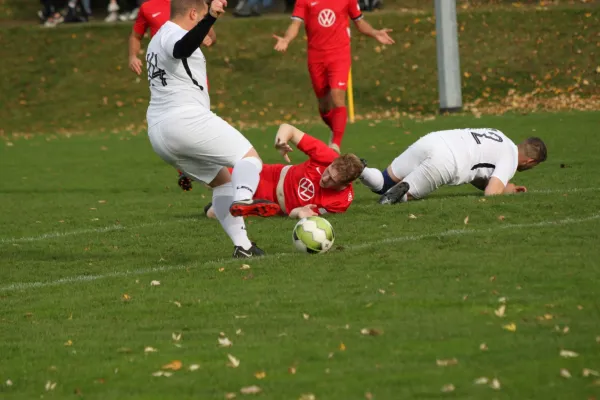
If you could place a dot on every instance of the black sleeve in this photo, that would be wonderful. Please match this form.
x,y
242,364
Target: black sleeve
x,y
192,40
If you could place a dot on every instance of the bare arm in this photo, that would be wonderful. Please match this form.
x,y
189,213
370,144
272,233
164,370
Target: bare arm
x,y
135,44
290,34
210,39
303,212
381,35
287,133
494,187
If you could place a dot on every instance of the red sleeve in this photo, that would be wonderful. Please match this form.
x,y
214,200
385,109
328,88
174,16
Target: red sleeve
x,y
299,10
316,150
336,203
354,10
141,23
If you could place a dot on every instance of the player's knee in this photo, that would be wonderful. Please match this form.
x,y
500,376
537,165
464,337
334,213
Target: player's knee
x,y
253,159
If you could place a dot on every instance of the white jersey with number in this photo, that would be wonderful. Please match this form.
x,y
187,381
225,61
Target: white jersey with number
x,y
481,154
176,85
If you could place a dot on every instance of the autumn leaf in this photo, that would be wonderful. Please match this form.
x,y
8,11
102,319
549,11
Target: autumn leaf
x,y
194,367
225,342
250,390
233,362
568,354
565,373
500,311
512,327
495,384
481,381
445,363
260,375
150,350
173,365
448,388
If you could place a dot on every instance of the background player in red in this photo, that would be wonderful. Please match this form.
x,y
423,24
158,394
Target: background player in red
x,y
322,184
329,60
152,15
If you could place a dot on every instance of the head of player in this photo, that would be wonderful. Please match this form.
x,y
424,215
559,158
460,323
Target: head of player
x,y
187,13
532,151
341,172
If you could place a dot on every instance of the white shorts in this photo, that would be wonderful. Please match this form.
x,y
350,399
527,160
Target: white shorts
x,y
426,165
199,145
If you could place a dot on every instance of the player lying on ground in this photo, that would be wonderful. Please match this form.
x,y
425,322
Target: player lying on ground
x,y
485,158
322,184
187,135
329,58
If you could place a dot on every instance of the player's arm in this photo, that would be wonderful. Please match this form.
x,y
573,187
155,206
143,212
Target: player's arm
x,y
381,35
315,149
290,34
286,134
210,39
135,44
189,43
304,212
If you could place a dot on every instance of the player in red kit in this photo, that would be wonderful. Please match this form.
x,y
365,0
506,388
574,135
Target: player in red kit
x,y
152,15
322,184
328,32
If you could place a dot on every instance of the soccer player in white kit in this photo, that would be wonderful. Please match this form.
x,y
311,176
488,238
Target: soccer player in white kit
x,y
485,158
186,134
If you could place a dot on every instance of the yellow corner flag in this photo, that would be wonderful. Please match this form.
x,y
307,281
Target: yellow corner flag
x,y
350,98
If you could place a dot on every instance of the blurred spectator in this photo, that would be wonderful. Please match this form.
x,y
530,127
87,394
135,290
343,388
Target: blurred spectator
x,y
129,12
48,14
251,8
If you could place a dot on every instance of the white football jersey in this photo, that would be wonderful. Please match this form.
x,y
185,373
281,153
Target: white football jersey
x,y
481,154
176,85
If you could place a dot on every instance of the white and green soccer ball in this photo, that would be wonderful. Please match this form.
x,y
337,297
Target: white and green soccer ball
x,y
313,235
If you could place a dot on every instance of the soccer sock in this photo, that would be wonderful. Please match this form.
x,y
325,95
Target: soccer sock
x,y
339,117
233,226
372,178
245,178
326,117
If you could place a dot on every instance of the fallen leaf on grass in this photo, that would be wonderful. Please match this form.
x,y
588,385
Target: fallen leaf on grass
x,y
512,327
194,367
481,381
260,375
238,332
155,283
565,373
445,363
292,370
126,297
501,218
448,388
230,396
568,354
69,343
466,221
245,266
483,347
50,385
150,350
587,372
176,336
221,269
370,332
174,365
342,347
224,342
500,311
250,390
502,300
495,384
233,362
307,396
412,216
178,304
162,373
368,396
305,316
8,382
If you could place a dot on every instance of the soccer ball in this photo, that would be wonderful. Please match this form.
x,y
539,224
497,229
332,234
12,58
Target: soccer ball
x,y
313,235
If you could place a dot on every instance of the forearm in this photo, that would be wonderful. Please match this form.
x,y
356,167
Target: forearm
x,y
212,35
292,31
365,28
291,133
135,44
189,43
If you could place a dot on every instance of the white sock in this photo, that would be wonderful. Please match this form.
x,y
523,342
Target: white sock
x,y
372,178
245,178
233,226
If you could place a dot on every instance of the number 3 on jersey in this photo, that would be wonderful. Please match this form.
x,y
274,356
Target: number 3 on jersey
x,y
487,135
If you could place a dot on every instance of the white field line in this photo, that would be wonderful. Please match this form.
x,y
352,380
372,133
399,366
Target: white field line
x,y
166,268
54,235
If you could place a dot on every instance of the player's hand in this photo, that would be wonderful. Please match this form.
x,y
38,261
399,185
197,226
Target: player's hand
x,y
307,211
207,41
283,147
217,7
282,43
520,189
383,37
135,64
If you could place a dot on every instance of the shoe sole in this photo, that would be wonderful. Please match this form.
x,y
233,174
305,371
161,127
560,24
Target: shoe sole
x,y
256,209
402,187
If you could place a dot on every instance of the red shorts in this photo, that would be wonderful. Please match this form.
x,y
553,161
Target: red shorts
x,y
330,72
267,186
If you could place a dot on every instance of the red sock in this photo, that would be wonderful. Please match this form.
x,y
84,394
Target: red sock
x,y
338,117
326,117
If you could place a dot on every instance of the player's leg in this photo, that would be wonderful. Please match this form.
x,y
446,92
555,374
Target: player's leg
x,y
337,77
318,78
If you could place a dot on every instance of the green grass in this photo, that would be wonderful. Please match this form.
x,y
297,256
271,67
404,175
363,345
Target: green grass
x,y
429,284
76,78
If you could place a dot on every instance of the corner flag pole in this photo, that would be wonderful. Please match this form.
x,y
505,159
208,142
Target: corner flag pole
x,y
447,56
350,98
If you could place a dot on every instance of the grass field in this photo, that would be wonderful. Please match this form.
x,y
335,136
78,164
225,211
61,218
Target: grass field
x,y
89,221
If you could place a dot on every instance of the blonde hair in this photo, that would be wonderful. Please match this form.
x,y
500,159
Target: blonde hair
x,y
349,167
535,148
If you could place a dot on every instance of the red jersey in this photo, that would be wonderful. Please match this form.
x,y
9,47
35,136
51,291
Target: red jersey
x,y
153,14
326,22
301,184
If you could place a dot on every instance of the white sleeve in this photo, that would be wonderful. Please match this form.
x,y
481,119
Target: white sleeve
x,y
168,41
505,168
